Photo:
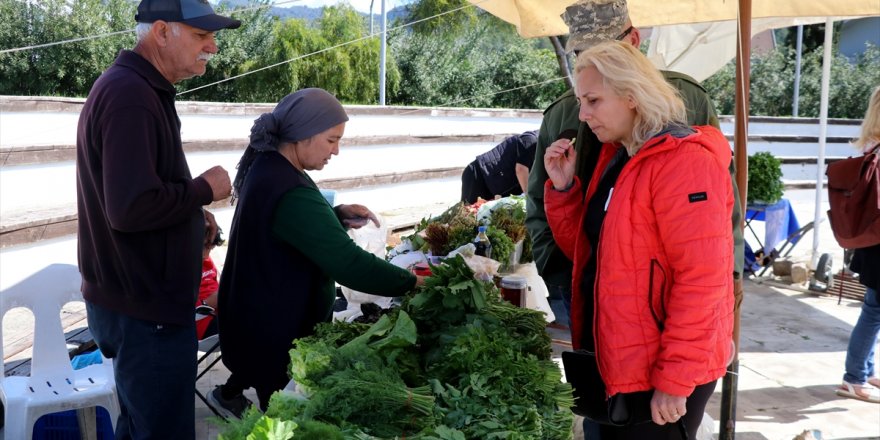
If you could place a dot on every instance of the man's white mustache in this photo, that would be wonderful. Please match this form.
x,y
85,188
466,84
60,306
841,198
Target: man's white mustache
x,y
205,56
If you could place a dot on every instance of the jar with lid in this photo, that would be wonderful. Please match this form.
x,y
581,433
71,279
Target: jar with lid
x,y
513,290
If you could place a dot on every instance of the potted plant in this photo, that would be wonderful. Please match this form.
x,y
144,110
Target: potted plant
x,y
765,179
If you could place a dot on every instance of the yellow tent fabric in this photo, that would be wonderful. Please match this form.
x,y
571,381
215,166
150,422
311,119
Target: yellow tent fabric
x,y
541,18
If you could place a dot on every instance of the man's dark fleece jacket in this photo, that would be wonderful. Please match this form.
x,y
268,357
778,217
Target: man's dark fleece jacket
x,y
141,224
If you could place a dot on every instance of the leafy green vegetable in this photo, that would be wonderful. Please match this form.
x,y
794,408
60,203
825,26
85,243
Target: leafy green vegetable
x,y
502,246
510,218
378,402
315,430
447,297
240,429
268,428
309,361
454,362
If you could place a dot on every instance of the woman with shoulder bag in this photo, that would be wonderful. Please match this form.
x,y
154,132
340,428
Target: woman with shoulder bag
x,y
860,380
652,291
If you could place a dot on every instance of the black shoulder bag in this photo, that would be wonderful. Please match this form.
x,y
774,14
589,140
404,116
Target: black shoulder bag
x,y
622,409
590,398
582,372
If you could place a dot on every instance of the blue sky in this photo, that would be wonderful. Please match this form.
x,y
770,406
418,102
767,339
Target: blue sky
x,y
360,5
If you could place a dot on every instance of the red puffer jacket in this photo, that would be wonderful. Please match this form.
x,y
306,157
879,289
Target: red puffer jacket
x,y
664,256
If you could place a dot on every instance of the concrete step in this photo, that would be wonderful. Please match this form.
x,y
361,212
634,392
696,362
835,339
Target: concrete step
x,y
47,223
42,154
46,154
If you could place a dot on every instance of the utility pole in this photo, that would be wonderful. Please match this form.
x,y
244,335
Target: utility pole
x,y
797,72
382,58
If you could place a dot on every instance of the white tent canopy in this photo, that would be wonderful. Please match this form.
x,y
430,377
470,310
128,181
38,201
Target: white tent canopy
x,y
701,49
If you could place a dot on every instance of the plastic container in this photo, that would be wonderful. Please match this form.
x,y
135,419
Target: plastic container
x,y
64,426
513,289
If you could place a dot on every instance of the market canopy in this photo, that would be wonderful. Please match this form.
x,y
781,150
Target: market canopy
x,y
541,18
701,49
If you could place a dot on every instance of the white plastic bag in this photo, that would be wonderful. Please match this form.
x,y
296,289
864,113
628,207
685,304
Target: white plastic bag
x,y
536,296
372,239
706,431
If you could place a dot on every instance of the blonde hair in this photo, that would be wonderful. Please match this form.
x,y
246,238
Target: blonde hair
x,y
629,74
870,134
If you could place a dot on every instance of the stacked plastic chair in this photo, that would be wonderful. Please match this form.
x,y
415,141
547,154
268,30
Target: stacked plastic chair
x,y
53,384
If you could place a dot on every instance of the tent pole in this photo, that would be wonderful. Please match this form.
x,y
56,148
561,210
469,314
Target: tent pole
x,y
740,135
823,131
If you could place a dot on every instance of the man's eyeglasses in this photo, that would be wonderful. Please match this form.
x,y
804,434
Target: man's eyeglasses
x,y
624,33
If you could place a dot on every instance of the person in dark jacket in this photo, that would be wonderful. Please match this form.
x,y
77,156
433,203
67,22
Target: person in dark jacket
x,y
140,219
860,380
288,247
501,171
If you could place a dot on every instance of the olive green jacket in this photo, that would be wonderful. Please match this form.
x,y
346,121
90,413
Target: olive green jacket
x,y
562,115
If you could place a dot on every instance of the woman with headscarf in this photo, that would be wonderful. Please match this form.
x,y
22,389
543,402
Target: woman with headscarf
x,y
288,247
650,239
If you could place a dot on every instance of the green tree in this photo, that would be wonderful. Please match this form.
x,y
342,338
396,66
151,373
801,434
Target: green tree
x,y
851,84
16,31
813,37
331,53
67,69
359,56
449,24
436,71
239,51
522,65
474,67
772,84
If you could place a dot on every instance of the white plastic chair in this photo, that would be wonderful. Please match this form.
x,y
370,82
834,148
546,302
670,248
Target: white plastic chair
x,y
53,384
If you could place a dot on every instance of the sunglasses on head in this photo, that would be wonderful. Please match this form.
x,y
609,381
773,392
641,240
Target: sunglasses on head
x,y
624,33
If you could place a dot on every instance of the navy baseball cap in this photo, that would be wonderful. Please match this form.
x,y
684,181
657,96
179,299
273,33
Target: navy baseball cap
x,y
196,13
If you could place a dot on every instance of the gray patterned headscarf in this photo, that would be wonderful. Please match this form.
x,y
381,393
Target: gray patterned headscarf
x,y
300,115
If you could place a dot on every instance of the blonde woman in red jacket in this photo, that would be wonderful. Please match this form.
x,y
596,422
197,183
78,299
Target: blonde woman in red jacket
x,y
650,238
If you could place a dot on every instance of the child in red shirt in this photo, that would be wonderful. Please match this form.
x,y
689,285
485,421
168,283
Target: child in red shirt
x,y
206,325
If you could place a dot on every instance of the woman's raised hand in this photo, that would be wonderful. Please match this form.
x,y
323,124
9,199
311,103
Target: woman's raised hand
x,y
559,161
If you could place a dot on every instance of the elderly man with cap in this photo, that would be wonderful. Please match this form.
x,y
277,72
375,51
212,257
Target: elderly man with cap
x,y
141,222
591,22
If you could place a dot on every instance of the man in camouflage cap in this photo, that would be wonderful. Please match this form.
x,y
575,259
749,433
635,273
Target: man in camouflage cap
x,y
591,22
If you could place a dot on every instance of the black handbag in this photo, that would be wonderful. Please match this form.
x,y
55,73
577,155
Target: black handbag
x,y
582,372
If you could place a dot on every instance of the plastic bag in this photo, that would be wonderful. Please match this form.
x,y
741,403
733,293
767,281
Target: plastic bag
x,y
85,359
484,268
706,431
371,239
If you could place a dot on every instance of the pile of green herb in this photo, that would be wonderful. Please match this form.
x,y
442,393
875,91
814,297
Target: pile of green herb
x,y
454,362
457,226
511,218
